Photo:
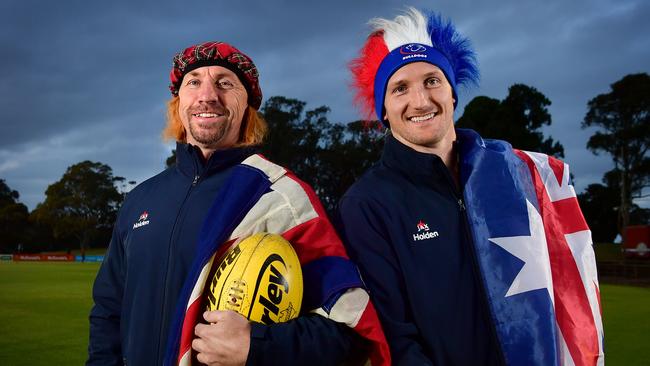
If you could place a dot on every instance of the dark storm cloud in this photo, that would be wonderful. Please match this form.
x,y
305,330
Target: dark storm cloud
x,y
74,68
71,64
88,80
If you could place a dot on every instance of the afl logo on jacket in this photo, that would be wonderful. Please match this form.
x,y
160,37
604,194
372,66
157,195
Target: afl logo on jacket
x,y
142,221
423,232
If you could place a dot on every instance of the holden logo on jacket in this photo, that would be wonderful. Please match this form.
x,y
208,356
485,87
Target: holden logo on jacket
x,y
142,221
424,232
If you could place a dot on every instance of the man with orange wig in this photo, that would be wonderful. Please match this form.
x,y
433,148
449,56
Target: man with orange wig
x,y
149,291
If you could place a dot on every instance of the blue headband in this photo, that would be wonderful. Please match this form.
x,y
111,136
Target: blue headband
x,y
412,52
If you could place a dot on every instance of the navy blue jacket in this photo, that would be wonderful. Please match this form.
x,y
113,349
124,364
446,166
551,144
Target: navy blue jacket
x,y
404,224
152,248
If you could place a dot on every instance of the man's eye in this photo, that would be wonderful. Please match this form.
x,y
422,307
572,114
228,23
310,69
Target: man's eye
x,y
193,82
433,81
225,84
399,89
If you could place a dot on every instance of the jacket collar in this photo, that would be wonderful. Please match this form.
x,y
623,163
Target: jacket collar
x,y
189,160
400,157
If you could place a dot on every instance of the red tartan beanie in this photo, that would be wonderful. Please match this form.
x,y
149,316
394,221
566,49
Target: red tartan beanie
x,y
217,54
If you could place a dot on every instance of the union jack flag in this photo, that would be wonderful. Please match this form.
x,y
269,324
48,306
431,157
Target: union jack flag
x,y
260,196
535,254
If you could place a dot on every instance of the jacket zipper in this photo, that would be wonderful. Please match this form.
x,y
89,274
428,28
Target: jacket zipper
x,y
478,280
457,193
195,181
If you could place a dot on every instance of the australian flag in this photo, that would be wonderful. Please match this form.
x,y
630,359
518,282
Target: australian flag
x,y
535,254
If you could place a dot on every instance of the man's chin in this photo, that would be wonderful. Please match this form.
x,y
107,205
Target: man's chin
x,y
207,138
208,144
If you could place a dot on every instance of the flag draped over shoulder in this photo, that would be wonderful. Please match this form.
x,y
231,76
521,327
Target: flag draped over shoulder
x,y
260,196
534,253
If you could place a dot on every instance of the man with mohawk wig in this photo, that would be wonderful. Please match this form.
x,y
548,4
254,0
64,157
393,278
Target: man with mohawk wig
x,y
474,253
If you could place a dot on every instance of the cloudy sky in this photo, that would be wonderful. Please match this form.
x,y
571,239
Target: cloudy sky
x,y
87,80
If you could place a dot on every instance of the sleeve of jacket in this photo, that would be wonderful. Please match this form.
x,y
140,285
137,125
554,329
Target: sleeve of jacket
x,y
104,347
307,340
362,225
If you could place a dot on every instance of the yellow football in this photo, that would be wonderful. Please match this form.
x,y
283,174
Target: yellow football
x,y
260,278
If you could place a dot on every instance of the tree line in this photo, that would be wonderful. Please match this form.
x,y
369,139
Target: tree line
x,y
80,208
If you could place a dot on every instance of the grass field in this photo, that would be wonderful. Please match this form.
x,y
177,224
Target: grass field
x,y
44,316
626,318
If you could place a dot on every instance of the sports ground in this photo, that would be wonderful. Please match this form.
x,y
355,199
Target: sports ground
x,y
44,316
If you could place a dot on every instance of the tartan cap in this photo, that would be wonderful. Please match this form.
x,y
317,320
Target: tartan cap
x,y
217,54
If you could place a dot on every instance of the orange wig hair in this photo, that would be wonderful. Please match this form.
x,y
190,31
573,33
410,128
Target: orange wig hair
x,y
253,128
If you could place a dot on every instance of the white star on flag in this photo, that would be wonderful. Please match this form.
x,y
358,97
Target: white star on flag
x,y
533,251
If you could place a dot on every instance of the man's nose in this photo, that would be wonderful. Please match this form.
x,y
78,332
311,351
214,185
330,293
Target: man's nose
x,y
420,98
208,93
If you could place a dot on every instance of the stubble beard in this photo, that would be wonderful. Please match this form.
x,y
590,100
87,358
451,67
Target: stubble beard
x,y
208,137
433,139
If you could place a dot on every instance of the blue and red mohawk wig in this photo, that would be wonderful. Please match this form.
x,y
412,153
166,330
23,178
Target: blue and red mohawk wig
x,y
411,37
